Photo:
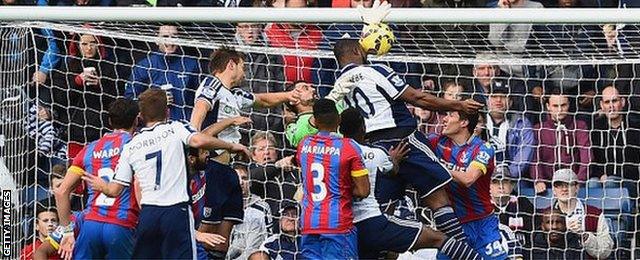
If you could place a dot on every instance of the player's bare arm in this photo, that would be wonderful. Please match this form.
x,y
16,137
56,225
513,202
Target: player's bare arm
x,y
62,194
110,189
430,102
269,100
200,140
199,112
469,177
397,154
361,186
217,127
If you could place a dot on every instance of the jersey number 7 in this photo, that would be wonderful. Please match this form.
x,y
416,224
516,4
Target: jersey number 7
x,y
158,156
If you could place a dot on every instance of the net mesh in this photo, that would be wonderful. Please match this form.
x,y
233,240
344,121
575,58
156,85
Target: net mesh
x,y
578,60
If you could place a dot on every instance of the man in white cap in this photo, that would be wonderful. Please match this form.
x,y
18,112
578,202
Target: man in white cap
x,y
587,221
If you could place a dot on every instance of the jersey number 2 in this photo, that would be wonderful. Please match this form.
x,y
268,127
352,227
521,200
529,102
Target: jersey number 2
x,y
102,200
317,171
158,156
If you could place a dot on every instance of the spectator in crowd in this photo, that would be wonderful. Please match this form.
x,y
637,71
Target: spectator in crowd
x,y
271,179
264,74
586,221
248,236
286,244
510,133
563,142
432,121
85,85
46,222
49,149
515,212
552,241
170,70
487,76
616,144
510,40
295,36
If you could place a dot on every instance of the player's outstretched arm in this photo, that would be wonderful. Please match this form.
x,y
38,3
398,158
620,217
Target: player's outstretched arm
x,y
44,251
200,140
62,194
430,102
217,127
269,100
110,189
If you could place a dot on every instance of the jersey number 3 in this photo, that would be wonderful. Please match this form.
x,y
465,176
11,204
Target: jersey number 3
x,y
319,190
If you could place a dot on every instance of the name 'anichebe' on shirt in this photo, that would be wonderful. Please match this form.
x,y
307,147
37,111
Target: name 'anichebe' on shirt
x,y
320,150
151,141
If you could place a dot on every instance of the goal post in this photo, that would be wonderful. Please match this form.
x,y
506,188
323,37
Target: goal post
x,y
436,48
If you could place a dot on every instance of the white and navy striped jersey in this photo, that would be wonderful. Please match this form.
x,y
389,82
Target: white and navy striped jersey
x,y
510,242
376,96
377,161
224,103
157,156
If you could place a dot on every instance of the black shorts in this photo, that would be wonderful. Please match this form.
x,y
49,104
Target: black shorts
x,y
223,195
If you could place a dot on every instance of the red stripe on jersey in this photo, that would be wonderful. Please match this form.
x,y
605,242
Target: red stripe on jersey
x,y
112,212
346,218
468,204
95,166
309,181
324,206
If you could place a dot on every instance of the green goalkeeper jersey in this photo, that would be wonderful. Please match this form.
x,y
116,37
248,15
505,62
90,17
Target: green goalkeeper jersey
x,y
302,127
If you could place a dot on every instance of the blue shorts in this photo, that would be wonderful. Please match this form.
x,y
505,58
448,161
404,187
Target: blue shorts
x,y
383,233
421,170
100,240
330,246
484,236
223,195
165,232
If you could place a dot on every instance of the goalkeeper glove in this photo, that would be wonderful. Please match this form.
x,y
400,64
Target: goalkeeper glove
x,y
341,88
376,13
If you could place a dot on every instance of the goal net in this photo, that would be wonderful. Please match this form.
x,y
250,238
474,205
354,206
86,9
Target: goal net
x,y
546,87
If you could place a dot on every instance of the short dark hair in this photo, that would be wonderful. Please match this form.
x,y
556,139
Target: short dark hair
x,y
345,47
471,118
220,58
352,123
45,208
325,112
123,113
153,105
555,91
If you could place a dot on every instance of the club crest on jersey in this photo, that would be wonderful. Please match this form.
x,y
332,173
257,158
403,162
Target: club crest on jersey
x,y
465,157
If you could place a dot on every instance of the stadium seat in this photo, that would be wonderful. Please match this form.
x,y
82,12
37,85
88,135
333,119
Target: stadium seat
x,y
610,200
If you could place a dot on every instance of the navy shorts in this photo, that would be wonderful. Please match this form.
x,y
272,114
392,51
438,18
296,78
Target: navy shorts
x,y
383,233
223,195
165,232
100,240
422,170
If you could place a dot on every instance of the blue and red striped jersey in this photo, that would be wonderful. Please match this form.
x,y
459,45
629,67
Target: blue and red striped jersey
x,y
474,202
197,187
328,163
100,158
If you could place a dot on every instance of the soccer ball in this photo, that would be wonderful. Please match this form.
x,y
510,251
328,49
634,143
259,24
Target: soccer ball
x,y
377,39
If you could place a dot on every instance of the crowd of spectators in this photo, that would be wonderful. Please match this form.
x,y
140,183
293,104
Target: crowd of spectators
x,y
556,129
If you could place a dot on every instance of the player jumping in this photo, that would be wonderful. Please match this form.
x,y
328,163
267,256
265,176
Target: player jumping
x,y
376,231
471,163
381,96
